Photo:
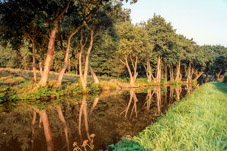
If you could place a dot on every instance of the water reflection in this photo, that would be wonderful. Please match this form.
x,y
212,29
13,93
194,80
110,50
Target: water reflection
x,y
90,123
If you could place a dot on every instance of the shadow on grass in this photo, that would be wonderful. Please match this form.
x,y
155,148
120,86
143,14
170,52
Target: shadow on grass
x,y
220,86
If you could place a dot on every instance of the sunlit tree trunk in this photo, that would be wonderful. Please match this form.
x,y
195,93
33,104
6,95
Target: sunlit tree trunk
x,y
96,80
171,73
95,102
133,75
171,94
178,74
47,132
62,119
40,68
197,76
157,79
83,75
51,48
165,66
148,72
49,56
66,58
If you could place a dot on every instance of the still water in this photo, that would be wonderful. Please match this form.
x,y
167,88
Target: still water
x,y
87,122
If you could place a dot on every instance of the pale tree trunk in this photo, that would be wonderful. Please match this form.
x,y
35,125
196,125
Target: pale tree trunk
x,y
190,73
178,74
134,107
148,72
83,75
165,66
218,75
158,72
66,58
40,68
171,73
197,76
33,60
62,119
133,75
96,80
47,132
49,56
51,48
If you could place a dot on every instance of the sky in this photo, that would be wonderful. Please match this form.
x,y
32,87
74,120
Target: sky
x,y
203,20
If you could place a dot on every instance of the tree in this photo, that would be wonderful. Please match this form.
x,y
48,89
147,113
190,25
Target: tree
x,y
133,41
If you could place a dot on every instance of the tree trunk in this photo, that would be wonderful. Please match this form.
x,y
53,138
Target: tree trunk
x,y
148,72
83,75
197,76
178,74
33,129
94,75
66,58
166,73
178,91
40,68
33,60
218,75
157,91
49,56
190,74
158,72
47,132
171,73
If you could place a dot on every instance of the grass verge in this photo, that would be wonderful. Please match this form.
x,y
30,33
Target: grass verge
x,y
198,122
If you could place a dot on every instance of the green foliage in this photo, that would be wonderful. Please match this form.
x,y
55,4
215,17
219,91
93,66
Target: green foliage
x,y
7,94
196,123
225,79
176,82
93,88
126,145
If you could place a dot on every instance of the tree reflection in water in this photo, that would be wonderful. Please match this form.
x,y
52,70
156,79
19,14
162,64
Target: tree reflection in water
x,y
133,99
46,128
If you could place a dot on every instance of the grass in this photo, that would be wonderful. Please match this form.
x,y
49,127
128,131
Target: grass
x,y
198,122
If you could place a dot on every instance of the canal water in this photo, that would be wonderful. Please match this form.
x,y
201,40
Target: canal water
x,y
83,122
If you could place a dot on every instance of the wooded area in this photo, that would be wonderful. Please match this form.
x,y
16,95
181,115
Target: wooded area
x,y
97,37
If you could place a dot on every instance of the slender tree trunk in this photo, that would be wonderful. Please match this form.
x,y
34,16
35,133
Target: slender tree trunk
x,y
158,72
95,102
47,132
33,60
66,58
171,94
197,76
190,74
148,99
49,56
165,66
134,75
178,74
83,75
218,75
40,68
148,72
94,75
171,73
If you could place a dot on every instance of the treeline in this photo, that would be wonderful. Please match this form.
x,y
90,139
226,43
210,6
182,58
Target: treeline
x,y
97,37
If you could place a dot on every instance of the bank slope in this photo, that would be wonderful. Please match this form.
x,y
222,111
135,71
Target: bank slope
x,y
198,122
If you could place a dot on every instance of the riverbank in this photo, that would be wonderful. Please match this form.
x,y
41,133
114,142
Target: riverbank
x,y
198,122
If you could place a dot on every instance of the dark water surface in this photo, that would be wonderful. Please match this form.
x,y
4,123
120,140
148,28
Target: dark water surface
x,y
99,121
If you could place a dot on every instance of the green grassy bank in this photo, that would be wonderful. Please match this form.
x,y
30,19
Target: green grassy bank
x,y
198,122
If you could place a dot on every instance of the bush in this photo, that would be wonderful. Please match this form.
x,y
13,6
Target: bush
x,y
225,79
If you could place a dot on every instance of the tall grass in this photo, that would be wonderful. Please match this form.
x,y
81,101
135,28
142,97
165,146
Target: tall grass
x,y
198,122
